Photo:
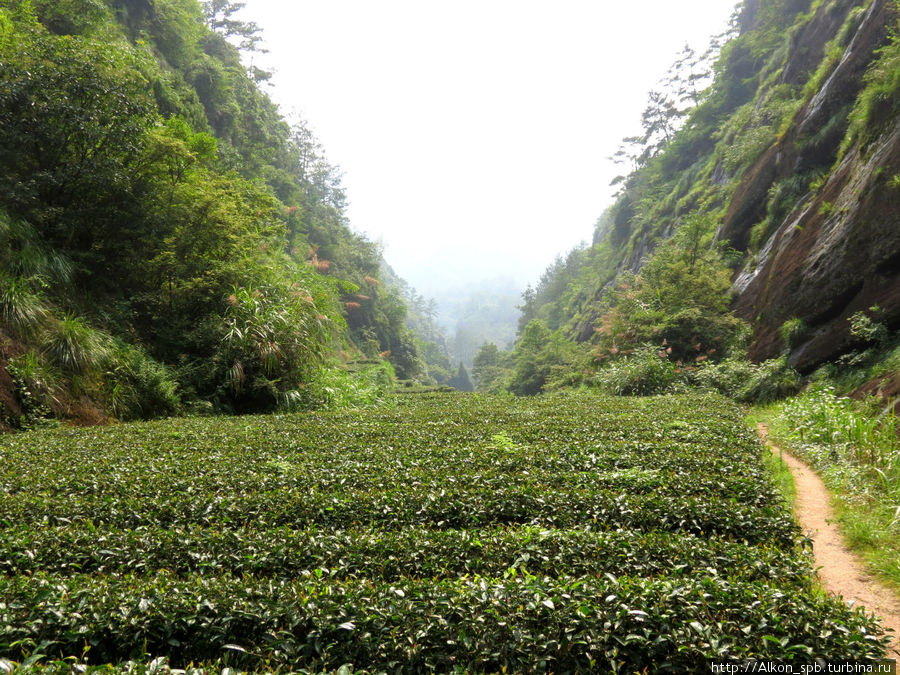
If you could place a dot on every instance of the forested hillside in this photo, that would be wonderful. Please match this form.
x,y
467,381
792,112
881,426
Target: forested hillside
x,y
756,235
168,242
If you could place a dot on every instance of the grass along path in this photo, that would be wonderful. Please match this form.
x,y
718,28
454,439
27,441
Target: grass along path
x,y
841,571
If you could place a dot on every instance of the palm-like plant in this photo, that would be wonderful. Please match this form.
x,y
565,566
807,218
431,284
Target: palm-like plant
x,y
21,309
74,347
274,339
24,255
27,266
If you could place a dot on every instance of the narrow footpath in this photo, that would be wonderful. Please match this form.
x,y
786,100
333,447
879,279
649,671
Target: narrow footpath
x,y
841,571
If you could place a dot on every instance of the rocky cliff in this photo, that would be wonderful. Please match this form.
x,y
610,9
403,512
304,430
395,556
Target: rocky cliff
x,y
837,251
784,175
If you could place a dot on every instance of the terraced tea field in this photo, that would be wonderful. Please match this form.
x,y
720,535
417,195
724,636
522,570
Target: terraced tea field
x,y
450,532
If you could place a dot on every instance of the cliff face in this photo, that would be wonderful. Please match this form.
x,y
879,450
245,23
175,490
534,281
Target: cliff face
x,y
838,250
836,255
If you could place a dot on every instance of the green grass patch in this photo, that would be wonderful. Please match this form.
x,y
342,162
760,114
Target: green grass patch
x,y
783,478
780,472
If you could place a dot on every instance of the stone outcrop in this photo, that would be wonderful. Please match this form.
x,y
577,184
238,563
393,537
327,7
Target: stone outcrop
x,y
838,256
838,251
804,147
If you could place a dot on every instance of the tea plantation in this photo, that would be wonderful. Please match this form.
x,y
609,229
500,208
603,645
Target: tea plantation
x,y
448,532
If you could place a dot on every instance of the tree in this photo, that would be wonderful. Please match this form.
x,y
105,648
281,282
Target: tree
x,y
70,17
528,308
690,234
489,368
437,362
660,121
679,302
688,76
73,116
462,381
681,90
532,365
219,16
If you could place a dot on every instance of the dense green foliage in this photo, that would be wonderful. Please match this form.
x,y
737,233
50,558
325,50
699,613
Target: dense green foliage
x,y
878,101
557,533
158,215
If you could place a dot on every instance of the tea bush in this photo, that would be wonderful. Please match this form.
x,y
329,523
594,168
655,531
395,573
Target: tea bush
x,y
446,532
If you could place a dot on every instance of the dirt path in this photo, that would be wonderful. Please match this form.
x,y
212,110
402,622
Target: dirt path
x,y
841,572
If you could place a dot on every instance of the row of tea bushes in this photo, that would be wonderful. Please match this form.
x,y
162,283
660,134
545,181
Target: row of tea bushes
x,y
584,624
391,555
406,506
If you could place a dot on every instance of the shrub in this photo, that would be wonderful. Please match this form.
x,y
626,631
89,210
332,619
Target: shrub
x,y
641,373
783,197
741,380
335,387
772,380
20,308
748,146
792,332
864,328
137,387
35,389
27,267
728,377
70,17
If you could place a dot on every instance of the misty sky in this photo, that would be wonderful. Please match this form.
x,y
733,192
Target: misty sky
x,y
473,135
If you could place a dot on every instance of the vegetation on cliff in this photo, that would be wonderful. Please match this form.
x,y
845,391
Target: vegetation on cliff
x,y
756,229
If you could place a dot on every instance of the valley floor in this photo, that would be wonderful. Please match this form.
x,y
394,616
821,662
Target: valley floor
x,y
446,533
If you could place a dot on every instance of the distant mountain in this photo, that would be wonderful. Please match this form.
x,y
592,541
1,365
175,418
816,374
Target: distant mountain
x,y
479,312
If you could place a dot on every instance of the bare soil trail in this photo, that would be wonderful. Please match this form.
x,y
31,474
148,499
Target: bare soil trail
x,y
842,572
